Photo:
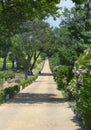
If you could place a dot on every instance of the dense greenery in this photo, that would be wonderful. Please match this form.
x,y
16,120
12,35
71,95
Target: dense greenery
x,y
19,22
21,27
63,76
24,36
13,14
74,37
80,88
26,47
54,61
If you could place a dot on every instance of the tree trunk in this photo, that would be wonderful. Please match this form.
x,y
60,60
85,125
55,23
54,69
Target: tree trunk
x,y
17,65
26,75
4,63
5,57
35,59
13,66
2,4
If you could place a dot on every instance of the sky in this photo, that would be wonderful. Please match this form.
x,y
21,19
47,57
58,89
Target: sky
x,y
64,3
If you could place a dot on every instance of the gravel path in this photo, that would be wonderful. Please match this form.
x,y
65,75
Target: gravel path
x,y
40,106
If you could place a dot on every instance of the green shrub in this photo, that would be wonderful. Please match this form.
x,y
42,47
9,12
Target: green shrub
x,y
82,76
6,74
25,83
64,74
1,81
2,96
67,55
43,56
54,61
70,89
39,61
11,91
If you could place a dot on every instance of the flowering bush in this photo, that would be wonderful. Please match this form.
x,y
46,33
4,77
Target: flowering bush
x,y
82,88
71,89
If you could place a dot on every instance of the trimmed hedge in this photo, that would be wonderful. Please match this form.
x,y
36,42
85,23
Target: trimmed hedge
x,y
9,92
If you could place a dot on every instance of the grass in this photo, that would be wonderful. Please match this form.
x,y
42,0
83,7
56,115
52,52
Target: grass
x,y
8,65
1,59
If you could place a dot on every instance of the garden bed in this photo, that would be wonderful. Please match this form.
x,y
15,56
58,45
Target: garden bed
x,y
10,82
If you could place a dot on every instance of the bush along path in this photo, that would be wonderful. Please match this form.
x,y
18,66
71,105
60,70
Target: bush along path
x,y
40,106
76,83
80,88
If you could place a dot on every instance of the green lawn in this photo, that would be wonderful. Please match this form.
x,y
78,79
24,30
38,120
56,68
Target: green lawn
x,y
9,65
1,59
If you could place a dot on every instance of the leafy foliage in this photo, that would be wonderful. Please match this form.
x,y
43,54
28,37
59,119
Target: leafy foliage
x,y
80,88
9,92
63,76
13,14
28,45
67,55
54,61
79,1
73,36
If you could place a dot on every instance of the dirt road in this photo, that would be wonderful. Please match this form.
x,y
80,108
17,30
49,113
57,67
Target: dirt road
x,y
38,107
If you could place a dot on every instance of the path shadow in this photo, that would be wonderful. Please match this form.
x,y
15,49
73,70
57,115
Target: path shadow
x,y
45,74
51,83
75,119
36,98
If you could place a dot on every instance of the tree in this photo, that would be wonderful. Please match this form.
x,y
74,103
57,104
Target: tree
x,y
32,8
28,46
14,13
5,45
78,23
74,33
79,1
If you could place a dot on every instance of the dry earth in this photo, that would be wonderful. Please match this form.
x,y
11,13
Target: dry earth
x,y
40,106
